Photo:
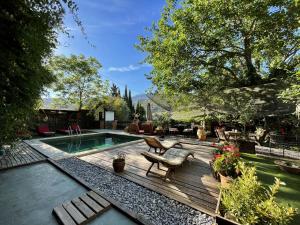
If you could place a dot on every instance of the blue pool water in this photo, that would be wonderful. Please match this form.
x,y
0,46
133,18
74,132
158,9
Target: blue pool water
x,y
76,144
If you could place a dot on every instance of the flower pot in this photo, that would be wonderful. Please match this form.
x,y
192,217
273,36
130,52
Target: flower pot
x,y
201,134
225,180
118,165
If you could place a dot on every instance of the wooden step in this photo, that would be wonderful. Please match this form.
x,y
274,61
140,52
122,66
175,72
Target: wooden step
x,y
82,209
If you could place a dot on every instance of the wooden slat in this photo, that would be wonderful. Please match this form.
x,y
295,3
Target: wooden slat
x,y
91,203
99,199
74,213
63,216
83,208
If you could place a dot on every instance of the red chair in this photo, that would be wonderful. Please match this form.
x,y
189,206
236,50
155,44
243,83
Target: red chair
x,y
43,130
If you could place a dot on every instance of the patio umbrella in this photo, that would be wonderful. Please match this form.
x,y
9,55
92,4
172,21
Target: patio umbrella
x,y
149,113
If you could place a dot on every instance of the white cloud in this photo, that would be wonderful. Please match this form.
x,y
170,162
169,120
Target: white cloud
x,y
127,68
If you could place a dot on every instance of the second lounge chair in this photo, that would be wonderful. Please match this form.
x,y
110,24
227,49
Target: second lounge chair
x,y
163,146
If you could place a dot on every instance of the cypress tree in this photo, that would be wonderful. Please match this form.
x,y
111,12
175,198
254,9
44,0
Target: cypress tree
x,y
130,105
126,94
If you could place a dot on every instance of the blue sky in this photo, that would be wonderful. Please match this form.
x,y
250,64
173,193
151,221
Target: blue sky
x,y
113,27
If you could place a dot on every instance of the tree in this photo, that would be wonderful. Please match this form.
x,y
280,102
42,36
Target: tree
x,y
78,80
200,44
114,91
141,111
292,93
125,94
28,35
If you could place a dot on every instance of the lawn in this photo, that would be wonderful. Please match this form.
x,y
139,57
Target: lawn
x,y
267,171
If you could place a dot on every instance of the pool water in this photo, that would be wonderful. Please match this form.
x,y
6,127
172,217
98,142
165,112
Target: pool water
x,y
74,144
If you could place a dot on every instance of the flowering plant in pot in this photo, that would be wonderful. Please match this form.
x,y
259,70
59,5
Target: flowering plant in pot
x,y
220,149
226,165
119,162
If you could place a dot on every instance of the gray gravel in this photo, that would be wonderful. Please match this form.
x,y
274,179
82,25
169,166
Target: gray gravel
x,y
153,206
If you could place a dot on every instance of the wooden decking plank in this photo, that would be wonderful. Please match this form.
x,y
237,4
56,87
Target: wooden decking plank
x,y
63,216
34,153
18,161
199,205
83,208
74,213
3,163
20,158
27,159
29,153
99,199
91,203
8,161
206,197
184,178
199,190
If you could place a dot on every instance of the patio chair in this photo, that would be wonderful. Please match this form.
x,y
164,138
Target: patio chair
x,y
171,159
133,128
43,130
220,132
152,142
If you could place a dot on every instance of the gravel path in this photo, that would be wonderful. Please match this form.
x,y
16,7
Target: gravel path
x,y
155,207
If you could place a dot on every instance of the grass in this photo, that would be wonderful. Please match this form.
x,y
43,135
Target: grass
x,y
267,171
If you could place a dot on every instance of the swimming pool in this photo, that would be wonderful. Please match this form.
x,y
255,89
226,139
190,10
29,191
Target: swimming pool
x,y
75,144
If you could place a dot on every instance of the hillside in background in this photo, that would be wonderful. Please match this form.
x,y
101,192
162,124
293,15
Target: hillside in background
x,y
144,100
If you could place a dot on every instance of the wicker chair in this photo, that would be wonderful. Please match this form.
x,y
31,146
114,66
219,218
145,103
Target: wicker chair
x,y
133,128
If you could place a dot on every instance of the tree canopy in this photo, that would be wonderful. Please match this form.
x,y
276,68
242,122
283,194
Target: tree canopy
x,y
27,36
209,45
78,81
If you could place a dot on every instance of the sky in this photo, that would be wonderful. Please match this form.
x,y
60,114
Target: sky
x,y
113,26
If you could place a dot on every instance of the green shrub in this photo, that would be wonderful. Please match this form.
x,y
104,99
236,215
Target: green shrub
x,y
248,202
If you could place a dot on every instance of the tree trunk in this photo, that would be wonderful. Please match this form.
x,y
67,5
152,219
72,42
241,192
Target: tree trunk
x,y
251,71
80,101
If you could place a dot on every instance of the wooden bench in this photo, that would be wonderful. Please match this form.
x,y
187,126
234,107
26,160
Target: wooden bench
x,y
82,209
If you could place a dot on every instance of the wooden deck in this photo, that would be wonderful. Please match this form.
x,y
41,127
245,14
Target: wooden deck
x,y
192,184
21,155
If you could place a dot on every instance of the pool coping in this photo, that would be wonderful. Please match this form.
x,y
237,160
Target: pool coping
x,y
56,154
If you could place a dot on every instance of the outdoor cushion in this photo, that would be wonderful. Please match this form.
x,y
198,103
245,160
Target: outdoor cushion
x,y
43,128
172,157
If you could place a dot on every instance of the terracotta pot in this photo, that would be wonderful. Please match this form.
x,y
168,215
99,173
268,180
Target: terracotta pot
x,y
225,180
118,165
201,134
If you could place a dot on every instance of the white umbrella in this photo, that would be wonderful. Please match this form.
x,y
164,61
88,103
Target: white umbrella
x,y
149,113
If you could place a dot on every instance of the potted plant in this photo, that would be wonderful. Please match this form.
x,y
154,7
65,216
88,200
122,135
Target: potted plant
x,y
226,167
119,162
